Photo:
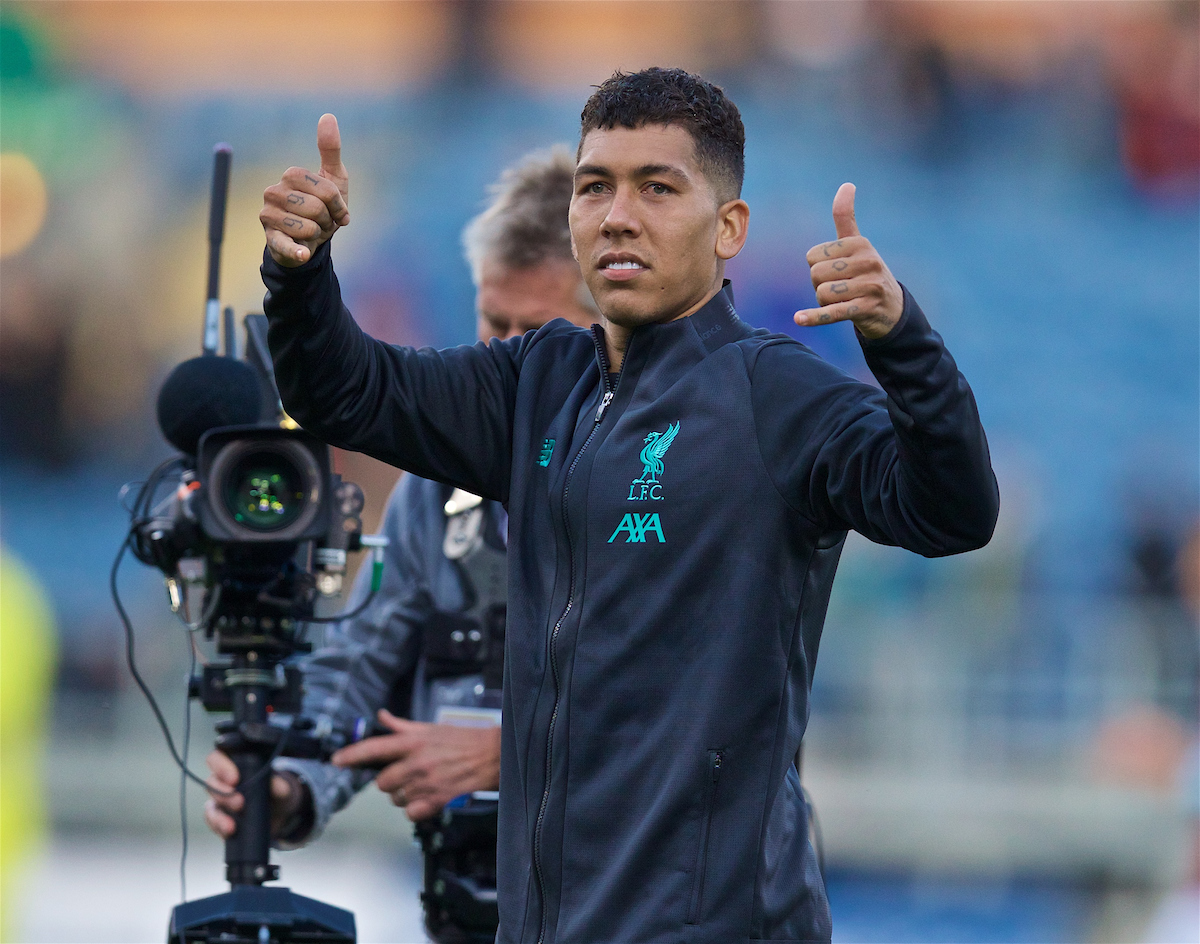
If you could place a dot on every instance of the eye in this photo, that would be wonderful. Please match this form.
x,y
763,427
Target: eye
x,y
659,190
595,186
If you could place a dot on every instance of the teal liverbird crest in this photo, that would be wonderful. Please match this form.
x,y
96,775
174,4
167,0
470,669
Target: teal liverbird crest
x,y
656,447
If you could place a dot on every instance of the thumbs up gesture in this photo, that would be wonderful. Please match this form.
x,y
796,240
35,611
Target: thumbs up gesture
x,y
304,209
851,280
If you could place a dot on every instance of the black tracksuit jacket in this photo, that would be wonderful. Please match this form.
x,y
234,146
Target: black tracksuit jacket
x,y
673,537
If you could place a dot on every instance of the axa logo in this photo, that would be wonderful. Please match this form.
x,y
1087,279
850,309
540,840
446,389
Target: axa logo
x,y
646,486
637,528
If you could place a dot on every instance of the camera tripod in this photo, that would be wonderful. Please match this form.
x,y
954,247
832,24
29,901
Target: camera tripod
x,y
251,684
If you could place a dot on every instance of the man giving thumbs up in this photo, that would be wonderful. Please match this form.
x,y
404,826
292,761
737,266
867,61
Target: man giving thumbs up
x,y
679,486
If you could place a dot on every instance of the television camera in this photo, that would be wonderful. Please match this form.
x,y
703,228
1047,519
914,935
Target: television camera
x,y
258,526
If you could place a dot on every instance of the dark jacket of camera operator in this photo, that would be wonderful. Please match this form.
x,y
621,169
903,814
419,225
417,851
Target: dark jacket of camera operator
x,y
663,618
394,654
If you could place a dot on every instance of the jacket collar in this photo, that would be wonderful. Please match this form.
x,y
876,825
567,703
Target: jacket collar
x,y
717,322
713,325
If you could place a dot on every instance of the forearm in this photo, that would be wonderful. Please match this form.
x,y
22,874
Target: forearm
x,y
941,481
907,466
444,415
354,674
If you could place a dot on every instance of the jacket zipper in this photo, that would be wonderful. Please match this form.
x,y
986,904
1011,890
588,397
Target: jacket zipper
x,y
715,759
610,390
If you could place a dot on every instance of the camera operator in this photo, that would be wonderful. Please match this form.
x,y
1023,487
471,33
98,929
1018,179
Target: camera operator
x,y
430,646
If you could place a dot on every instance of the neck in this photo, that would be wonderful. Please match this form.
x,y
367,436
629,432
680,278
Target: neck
x,y
616,336
616,341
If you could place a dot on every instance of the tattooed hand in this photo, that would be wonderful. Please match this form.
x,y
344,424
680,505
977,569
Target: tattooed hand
x,y
304,209
852,282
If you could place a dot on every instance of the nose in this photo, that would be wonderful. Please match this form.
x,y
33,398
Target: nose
x,y
621,218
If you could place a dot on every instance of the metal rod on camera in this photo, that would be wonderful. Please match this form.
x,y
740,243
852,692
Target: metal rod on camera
x,y
222,156
231,349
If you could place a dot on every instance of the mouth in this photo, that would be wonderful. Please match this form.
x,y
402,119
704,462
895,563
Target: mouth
x,y
621,266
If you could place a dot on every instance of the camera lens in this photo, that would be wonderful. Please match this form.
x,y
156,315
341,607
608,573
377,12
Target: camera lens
x,y
265,492
265,487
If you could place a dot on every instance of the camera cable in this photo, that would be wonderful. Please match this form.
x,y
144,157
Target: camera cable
x,y
377,543
154,707
140,513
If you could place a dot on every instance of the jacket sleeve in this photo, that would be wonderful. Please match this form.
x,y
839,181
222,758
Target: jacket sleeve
x,y
363,658
445,415
907,466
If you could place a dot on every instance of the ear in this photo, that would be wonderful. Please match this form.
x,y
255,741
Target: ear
x,y
733,223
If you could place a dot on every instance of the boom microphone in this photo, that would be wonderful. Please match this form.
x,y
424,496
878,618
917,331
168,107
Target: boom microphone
x,y
222,156
203,393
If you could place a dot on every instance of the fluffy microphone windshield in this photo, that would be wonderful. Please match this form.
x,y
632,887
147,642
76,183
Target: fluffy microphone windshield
x,y
203,393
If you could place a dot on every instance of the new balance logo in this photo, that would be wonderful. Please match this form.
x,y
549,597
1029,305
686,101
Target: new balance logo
x,y
546,453
637,527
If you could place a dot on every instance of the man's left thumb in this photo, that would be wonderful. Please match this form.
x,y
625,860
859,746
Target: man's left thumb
x,y
843,211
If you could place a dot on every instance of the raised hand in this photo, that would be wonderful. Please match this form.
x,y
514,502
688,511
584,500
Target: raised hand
x,y
852,281
305,209
427,765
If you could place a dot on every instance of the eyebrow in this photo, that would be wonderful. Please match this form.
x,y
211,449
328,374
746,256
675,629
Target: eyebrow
x,y
646,170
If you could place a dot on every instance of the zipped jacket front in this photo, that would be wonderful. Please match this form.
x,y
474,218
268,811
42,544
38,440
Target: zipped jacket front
x,y
673,536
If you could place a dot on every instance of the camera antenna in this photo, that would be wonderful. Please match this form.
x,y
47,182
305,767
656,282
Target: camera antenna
x,y
222,155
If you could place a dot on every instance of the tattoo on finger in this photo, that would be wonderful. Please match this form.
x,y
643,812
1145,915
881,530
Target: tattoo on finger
x,y
291,222
824,318
295,199
840,265
311,179
838,288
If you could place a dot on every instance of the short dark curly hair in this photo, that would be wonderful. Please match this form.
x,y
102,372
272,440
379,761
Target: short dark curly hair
x,y
675,97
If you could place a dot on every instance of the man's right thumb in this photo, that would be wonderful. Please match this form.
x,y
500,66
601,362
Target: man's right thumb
x,y
329,143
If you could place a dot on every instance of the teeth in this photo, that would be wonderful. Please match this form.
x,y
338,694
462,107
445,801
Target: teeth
x,y
622,265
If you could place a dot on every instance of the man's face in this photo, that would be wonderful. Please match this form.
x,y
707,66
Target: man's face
x,y
510,302
646,225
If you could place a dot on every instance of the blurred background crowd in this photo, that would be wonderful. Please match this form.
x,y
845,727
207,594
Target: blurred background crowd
x,y
1002,745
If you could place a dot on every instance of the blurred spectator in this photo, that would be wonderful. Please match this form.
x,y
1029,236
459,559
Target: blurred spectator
x,y
1143,747
1156,62
34,362
1189,574
27,651
1155,582
1178,917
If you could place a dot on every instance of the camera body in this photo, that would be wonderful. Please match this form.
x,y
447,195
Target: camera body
x,y
262,517
263,484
